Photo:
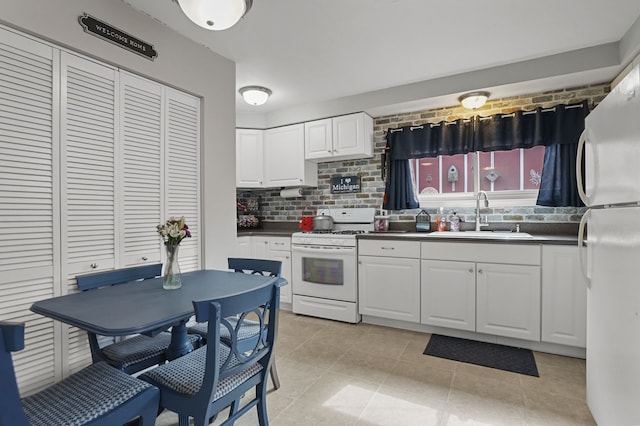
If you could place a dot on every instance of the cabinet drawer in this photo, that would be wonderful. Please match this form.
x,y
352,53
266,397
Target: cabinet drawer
x,y
276,243
525,254
389,248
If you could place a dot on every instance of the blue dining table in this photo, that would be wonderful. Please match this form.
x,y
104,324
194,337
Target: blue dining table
x,y
144,307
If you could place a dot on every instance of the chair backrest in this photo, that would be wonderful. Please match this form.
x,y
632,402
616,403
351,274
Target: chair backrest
x,y
11,340
268,268
259,305
118,276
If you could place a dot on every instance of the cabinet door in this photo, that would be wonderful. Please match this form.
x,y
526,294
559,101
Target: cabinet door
x,y
249,158
29,194
564,297
243,246
448,294
284,256
389,287
508,300
141,170
353,136
284,156
182,170
318,139
259,247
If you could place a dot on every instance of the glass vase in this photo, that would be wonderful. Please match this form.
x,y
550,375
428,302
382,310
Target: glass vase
x,y
171,277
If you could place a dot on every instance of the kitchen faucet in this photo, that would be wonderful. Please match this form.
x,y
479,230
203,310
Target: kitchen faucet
x,y
486,204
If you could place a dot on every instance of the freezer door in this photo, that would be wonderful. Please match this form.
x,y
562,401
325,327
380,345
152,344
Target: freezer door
x,y
612,147
613,316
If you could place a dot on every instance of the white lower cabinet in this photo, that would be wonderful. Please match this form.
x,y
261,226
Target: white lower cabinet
x,y
488,288
243,246
564,297
272,248
389,279
508,300
448,294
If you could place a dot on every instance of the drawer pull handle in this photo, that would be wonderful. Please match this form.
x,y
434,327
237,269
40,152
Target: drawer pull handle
x,y
480,271
471,270
93,265
145,258
388,248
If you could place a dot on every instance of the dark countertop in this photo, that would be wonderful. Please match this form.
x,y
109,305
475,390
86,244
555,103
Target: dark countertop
x,y
559,234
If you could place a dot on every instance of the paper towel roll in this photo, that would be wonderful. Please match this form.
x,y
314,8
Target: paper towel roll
x,y
291,193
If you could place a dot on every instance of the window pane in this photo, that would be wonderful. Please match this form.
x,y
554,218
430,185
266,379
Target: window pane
x,y
453,173
486,165
532,169
427,175
506,171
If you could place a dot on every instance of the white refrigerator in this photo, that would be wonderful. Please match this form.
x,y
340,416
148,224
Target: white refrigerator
x,y
610,260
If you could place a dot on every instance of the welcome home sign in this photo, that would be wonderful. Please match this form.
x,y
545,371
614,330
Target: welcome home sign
x,y
118,37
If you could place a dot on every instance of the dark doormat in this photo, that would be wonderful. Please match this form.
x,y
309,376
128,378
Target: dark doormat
x,y
491,355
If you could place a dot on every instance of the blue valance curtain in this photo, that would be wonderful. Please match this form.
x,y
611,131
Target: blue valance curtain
x,y
553,127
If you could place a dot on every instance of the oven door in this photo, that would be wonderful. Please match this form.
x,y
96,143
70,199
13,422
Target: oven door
x,y
325,272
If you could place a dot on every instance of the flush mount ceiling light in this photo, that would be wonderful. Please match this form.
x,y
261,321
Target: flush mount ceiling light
x,y
255,95
215,14
473,100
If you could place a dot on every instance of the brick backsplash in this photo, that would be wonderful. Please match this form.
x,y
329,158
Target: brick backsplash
x,y
277,209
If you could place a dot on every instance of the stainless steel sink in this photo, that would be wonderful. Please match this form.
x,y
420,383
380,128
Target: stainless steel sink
x,y
488,235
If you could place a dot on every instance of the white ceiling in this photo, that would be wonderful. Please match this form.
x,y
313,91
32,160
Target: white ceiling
x,y
388,56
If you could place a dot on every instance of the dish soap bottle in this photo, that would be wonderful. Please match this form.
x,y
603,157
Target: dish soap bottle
x,y
441,225
454,221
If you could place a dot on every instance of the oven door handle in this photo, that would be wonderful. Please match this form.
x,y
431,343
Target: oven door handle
x,y
322,249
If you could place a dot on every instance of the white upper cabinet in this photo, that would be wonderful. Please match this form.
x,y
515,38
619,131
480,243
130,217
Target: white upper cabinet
x,y
284,163
249,158
339,138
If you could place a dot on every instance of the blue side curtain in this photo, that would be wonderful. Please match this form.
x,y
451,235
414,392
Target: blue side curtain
x,y
558,185
557,128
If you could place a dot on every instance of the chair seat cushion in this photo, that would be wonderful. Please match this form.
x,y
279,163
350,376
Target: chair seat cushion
x,y
186,374
83,397
140,348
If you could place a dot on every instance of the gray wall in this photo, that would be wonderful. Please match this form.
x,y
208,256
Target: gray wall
x,y
181,63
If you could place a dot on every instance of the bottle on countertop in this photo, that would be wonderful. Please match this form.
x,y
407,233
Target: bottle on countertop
x,y
441,224
454,222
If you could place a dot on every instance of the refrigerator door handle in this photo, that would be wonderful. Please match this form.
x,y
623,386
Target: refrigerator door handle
x,y
584,259
579,179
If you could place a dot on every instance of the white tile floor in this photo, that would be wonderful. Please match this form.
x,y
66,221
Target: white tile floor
x,y
334,373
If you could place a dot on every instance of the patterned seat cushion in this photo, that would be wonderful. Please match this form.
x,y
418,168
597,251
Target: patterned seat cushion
x,y
186,374
140,348
83,397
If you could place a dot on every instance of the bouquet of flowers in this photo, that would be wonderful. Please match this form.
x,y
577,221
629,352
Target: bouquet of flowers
x,y
174,231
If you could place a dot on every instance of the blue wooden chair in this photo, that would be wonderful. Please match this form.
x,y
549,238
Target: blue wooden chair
x,y
215,376
250,329
134,353
96,395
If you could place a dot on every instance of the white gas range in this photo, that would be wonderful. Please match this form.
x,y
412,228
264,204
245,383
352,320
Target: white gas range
x,y
325,266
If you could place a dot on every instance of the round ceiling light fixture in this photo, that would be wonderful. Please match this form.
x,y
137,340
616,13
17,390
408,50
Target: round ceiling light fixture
x,y
255,95
474,100
215,14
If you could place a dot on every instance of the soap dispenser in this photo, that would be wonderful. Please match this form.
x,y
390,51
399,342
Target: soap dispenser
x,y
442,221
454,221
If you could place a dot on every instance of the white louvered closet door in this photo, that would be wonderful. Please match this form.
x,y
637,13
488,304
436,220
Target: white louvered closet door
x,y
141,159
182,170
88,149
28,200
